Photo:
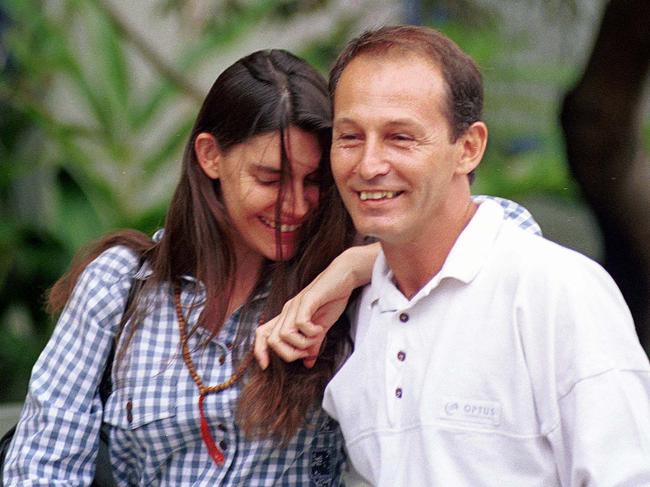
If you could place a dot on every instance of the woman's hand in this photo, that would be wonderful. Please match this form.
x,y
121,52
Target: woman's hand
x,y
299,330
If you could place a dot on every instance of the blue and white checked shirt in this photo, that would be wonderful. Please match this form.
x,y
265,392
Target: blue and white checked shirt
x,y
155,426
153,414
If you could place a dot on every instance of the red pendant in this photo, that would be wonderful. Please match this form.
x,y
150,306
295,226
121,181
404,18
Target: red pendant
x,y
215,453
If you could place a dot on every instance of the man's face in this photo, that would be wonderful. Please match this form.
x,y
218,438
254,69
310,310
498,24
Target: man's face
x,y
391,156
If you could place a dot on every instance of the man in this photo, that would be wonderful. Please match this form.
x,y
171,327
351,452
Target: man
x,y
484,355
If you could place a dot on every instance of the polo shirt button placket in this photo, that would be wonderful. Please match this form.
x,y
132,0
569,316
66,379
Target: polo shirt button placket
x,y
401,357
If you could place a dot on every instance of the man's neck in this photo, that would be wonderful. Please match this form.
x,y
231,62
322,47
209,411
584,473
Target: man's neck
x,y
415,263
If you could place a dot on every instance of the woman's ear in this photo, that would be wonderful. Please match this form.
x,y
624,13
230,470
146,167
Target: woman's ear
x,y
208,154
473,143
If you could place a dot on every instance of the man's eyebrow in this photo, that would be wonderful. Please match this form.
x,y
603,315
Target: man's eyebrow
x,y
402,122
399,122
343,120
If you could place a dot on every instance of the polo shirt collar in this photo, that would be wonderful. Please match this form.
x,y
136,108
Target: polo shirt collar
x,y
463,263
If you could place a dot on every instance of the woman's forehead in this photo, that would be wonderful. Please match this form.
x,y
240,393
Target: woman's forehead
x,y
263,152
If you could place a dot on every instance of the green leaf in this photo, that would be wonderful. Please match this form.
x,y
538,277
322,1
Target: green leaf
x,y
172,147
112,72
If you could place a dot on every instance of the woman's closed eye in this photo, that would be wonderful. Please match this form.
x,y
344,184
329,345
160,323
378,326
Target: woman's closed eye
x,y
268,181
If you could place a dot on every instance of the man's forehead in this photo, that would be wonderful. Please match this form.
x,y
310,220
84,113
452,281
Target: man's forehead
x,y
394,83
393,54
397,121
372,65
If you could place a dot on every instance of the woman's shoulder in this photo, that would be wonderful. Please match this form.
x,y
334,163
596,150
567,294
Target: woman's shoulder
x,y
115,263
101,291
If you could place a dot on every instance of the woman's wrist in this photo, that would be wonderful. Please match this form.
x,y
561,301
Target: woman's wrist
x,y
358,262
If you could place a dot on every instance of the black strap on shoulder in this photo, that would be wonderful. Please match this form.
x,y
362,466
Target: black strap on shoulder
x,y
5,441
103,468
106,384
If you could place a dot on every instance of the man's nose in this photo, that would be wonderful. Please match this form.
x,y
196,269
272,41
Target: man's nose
x,y
373,162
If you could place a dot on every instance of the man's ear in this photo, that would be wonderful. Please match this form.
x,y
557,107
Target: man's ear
x,y
473,143
208,154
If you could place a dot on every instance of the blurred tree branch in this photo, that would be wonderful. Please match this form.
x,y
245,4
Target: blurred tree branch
x,y
150,54
601,120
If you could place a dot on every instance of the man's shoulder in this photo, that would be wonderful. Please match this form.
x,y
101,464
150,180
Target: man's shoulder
x,y
540,259
512,211
517,241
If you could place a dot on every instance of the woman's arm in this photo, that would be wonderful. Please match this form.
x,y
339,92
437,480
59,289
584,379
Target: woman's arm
x,y
56,436
298,331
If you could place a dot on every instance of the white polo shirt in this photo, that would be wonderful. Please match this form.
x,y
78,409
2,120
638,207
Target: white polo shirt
x,y
517,365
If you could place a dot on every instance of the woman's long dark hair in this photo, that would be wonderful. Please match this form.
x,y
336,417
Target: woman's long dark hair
x,y
265,92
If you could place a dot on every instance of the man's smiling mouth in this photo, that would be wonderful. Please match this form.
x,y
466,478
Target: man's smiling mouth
x,y
378,195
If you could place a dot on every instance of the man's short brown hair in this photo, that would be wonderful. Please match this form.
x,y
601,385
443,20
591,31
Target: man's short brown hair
x,y
464,85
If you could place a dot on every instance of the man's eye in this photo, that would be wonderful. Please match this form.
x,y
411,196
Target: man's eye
x,y
402,137
348,136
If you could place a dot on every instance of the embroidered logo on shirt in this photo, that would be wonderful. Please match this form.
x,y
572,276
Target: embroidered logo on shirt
x,y
322,467
471,410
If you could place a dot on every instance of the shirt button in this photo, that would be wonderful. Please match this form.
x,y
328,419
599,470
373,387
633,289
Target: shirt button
x,y
403,317
222,427
222,359
129,411
398,393
223,445
401,356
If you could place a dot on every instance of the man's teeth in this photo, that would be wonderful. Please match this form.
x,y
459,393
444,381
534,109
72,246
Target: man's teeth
x,y
377,195
283,227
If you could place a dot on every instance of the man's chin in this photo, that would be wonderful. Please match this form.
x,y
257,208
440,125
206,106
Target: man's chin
x,y
375,232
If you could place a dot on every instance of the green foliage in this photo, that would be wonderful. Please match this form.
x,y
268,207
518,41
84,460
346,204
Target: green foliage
x,y
525,154
645,134
85,147
322,52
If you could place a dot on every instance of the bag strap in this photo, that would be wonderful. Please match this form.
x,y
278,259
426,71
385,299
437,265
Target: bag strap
x,y
4,448
106,384
103,469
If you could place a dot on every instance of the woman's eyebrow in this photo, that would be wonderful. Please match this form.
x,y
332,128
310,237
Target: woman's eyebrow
x,y
263,168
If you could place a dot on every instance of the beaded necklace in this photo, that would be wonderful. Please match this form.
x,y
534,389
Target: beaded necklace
x,y
215,453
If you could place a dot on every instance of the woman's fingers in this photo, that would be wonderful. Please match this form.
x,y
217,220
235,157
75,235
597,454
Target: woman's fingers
x,y
288,341
289,345
292,335
261,346
265,339
313,353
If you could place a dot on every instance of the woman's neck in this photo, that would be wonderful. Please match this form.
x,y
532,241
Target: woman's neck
x,y
247,273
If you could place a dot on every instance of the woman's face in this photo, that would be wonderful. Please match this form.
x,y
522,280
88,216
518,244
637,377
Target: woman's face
x,y
249,174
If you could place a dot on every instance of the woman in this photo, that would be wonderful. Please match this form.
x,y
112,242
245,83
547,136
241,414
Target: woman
x,y
254,218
